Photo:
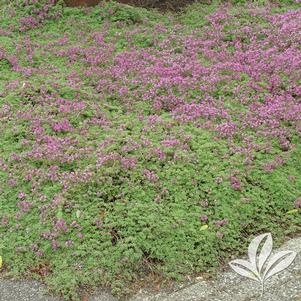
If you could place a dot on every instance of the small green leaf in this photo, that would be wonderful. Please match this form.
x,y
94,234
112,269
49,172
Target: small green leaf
x,y
293,211
204,227
59,214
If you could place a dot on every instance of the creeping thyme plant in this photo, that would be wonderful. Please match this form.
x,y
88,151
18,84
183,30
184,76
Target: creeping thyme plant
x,y
136,144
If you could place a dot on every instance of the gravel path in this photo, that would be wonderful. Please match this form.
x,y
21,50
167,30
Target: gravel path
x,y
285,286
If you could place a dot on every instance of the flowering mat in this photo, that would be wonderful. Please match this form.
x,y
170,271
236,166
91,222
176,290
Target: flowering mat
x,y
139,148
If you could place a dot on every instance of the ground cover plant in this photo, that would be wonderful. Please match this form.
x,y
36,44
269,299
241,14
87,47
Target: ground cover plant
x,y
137,145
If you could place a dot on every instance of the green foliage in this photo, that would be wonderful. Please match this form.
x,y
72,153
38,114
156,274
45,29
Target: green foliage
x,y
113,12
145,228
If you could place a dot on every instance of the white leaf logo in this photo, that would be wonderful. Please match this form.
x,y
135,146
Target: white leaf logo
x,y
279,262
260,266
244,268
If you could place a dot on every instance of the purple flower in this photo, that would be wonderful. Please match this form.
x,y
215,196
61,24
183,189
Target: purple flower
x,y
129,163
40,253
99,223
171,142
68,243
55,245
297,203
4,221
22,195
123,91
24,206
150,175
221,223
15,157
227,129
235,183
74,224
80,236
12,183
61,225
204,218
34,247
220,235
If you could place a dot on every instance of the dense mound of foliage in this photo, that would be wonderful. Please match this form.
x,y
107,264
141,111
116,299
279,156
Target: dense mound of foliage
x,y
135,144
32,13
180,4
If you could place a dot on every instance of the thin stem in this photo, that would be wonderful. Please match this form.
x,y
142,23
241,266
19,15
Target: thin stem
x,y
262,290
